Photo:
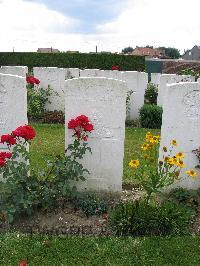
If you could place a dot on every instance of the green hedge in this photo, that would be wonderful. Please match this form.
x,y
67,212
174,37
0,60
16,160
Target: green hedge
x,y
76,60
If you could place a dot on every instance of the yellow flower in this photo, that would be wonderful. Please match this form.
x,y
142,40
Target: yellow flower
x,y
146,156
154,140
174,143
148,136
158,137
191,173
171,161
180,155
180,164
134,163
144,146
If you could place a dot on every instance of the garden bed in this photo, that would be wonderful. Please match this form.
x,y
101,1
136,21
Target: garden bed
x,y
67,220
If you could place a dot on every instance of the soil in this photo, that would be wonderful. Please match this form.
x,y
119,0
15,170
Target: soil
x,y
65,220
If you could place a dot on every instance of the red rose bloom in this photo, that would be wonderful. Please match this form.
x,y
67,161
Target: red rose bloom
x,y
32,80
2,162
23,263
83,119
115,68
81,125
5,155
72,124
88,127
9,139
26,132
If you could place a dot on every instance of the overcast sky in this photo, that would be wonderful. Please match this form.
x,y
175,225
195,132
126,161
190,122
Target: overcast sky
x,y
26,25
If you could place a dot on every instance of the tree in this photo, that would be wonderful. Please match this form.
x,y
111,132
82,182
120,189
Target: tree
x,y
127,50
171,52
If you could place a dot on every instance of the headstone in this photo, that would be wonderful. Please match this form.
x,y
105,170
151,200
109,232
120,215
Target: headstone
x,y
14,70
13,103
104,102
55,78
198,80
181,121
72,73
155,78
90,73
136,82
170,79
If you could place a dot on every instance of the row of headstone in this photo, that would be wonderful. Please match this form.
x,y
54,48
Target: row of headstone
x,y
55,77
103,100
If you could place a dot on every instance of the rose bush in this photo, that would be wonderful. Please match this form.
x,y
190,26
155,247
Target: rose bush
x,y
22,189
36,98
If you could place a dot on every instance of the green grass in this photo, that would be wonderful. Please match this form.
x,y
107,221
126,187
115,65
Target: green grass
x,y
98,251
50,142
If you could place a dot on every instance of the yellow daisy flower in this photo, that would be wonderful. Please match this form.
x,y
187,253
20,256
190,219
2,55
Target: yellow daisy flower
x,y
191,173
134,163
153,140
171,161
180,155
174,143
144,146
180,164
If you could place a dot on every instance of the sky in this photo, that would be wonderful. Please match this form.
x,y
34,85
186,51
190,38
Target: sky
x,y
112,25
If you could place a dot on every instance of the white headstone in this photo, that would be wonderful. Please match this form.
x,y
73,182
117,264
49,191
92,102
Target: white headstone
x,y
169,79
13,103
137,82
90,73
14,70
104,102
155,78
72,73
198,80
55,78
181,121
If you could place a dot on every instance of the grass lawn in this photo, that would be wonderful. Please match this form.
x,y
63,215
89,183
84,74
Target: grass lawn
x,y
50,142
53,251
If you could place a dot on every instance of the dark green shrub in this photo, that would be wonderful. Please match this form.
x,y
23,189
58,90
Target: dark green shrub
x,y
141,219
76,60
151,94
54,117
151,116
90,203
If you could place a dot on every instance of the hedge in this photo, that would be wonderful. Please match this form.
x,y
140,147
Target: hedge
x,y
75,60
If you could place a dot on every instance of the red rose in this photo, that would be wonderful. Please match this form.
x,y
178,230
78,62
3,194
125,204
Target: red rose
x,y
5,155
83,119
26,132
32,80
115,68
2,162
72,124
88,127
23,263
9,139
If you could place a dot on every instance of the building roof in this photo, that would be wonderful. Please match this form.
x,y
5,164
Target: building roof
x,y
147,51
